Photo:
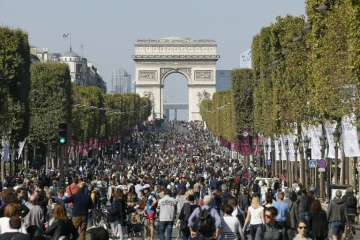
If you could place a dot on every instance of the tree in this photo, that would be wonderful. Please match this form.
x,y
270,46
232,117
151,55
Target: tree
x,y
14,82
50,101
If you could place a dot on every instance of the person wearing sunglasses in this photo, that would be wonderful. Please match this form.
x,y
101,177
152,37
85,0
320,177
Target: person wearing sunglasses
x,y
302,230
271,229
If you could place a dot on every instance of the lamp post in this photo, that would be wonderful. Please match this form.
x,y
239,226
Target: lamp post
x,y
287,164
266,149
336,146
296,147
302,169
10,158
280,164
306,164
273,162
322,180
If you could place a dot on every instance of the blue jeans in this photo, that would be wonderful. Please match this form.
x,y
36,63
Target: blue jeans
x,y
165,225
90,218
304,215
186,234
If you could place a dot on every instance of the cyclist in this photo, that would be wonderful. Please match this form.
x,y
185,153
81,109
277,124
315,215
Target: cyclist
x,y
351,204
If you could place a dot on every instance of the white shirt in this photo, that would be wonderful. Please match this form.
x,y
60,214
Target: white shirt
x,y
5,227
230,225
255,215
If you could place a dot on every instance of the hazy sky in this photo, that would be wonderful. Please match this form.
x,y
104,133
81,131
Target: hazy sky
x,y
108,29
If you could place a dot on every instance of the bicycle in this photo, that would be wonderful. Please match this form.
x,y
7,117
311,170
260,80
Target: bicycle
x,y
350,230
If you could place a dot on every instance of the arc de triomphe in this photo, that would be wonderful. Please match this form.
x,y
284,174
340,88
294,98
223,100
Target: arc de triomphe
x,y
156,59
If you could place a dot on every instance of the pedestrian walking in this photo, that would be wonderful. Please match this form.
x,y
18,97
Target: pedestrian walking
x,y
166,208
82,205
318,224
337,215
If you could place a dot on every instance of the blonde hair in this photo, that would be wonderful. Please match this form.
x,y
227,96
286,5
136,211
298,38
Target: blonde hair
x,y
190,192
255,202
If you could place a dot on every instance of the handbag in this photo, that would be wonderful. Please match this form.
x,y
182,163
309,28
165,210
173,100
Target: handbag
x,y
183,225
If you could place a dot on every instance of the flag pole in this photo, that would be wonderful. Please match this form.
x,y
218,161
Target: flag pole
x,y
70,41
82,50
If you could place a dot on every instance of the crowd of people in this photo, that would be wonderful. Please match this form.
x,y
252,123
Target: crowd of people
x,y
166,177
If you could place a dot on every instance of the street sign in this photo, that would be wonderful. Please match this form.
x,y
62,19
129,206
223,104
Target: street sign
x,y
269,162
322,163
321,169
312,164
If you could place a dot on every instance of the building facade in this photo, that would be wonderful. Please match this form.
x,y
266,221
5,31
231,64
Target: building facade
x,y
223,80
121,82
82,71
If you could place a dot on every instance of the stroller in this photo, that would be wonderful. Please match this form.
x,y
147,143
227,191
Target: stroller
x,y
136,228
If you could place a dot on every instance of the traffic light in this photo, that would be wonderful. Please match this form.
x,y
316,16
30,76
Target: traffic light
x,y
117,148
63,133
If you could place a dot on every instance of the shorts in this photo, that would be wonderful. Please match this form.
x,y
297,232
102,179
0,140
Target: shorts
x,y
337,227
150,215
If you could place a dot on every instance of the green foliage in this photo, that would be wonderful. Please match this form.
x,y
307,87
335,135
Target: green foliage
x,y
242,88
88,119
14,83
50,101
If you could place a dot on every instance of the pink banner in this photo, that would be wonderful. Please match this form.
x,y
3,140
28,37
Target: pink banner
x,y
259,140
245,143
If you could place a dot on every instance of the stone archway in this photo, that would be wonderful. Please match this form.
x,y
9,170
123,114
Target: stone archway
x,y
156,59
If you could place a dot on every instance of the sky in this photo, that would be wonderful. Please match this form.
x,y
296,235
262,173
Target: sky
x,y
108,29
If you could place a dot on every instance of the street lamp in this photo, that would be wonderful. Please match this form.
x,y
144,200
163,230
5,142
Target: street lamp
x,y
287,164
306,164
336,135
266,149
273,162
322,180
302,166
280,167
296,147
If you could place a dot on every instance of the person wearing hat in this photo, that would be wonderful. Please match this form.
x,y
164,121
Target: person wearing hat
x,y
151,203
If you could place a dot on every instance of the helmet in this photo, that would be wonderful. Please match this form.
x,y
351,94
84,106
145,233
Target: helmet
x,y
146,186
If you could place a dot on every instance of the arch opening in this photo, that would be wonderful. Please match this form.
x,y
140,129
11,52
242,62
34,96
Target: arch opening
x,y
176,96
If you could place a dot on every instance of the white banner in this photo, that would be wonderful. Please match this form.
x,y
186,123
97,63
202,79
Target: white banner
x,y
291,139
316,133
277,157
330,127
349,136
5,150
21,147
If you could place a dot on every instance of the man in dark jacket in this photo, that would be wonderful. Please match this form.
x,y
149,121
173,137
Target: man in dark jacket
x,y
14,234
304,204
337,215
82,205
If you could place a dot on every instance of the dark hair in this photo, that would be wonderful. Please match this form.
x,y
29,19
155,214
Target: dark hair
x,y
99,233
19,190
228,209
315,207
15,222
191,198
232,201
268,197
76,180
272,210
302,220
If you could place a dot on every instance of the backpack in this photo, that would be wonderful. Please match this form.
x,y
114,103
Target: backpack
x,y
204,221
255,187
263,230
351,202
173,189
